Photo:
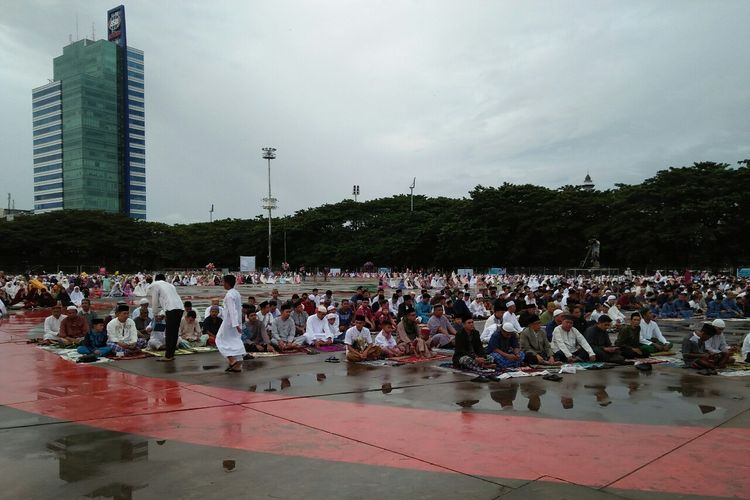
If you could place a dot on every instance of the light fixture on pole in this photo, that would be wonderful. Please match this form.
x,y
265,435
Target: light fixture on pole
x,y
211,213
355,191
413,185
269,203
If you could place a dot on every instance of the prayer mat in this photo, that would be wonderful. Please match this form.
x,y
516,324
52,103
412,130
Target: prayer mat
x,y
378,362
71,355
140,355
416,359
181,352
650,361
264,354
665,353
331,348
465,371
736,367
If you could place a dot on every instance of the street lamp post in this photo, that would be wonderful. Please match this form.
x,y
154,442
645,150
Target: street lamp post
x,y
270,202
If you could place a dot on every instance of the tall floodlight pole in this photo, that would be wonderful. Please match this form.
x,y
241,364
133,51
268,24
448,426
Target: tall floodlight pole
x,y
270,202
411,188
355,191
211,213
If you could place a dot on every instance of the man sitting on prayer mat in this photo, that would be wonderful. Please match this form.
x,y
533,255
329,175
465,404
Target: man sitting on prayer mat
x,y
359,345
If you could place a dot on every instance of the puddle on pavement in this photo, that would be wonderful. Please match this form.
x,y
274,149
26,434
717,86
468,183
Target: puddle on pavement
x,y
87,455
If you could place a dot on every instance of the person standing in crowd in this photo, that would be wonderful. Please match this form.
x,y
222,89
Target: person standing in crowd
x,y
229,338
164,297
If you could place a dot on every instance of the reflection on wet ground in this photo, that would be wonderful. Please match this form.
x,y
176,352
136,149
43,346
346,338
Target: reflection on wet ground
x,y
87,455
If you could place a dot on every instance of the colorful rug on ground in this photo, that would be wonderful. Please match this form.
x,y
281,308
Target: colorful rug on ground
x,y
182,352
332,348
70,354
404,360
501,373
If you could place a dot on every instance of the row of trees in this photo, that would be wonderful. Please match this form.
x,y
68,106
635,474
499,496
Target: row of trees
x,y
682,217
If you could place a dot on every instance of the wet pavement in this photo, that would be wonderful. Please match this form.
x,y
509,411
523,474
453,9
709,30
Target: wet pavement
x,y
297,427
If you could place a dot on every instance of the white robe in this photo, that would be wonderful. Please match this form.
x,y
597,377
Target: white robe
x,y
229,340
76,297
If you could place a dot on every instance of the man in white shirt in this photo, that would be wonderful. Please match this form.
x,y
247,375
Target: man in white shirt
x,y
52,324
317,332
494,321
612,311
569,345
718,343
122,334
214,302
651,336
265,316
358,340
510,316
142,305
164,296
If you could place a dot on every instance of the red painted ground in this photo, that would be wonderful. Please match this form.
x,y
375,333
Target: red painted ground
x,y
583,452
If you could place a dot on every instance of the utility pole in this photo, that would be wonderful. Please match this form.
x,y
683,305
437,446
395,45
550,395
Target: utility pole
x,y
411,188
270,202
355,191
211,213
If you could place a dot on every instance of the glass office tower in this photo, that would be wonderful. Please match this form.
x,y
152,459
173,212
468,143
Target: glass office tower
x,y
89,128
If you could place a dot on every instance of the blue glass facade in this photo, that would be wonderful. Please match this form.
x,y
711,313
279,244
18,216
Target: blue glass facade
x,y
46,105
89,138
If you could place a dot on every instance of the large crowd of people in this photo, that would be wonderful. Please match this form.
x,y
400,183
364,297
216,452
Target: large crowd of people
x,y
527,320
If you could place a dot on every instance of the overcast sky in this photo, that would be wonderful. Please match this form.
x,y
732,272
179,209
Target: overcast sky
x,y
456,93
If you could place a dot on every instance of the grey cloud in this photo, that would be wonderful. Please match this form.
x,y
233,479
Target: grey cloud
x,y
454,93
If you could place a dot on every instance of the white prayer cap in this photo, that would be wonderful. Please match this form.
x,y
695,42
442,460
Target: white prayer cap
x,y
331,308
162,313
611,297
510,303
330,316
322,309
508,327
719,323
480,296
143,301
557,312
74,308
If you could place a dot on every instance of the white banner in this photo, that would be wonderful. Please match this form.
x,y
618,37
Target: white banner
x,y
465,272
247,264
335,271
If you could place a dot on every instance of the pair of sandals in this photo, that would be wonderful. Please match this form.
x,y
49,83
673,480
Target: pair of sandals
x,y
235,367
554,377
333,359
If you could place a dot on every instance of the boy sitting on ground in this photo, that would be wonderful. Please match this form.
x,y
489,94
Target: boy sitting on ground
x,y
387,342
359,345
95,342
694,350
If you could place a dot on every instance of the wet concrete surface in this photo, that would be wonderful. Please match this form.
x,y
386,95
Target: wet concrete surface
x,y
297,427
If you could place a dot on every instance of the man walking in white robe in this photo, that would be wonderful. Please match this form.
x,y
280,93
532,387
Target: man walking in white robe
x,y
229,337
